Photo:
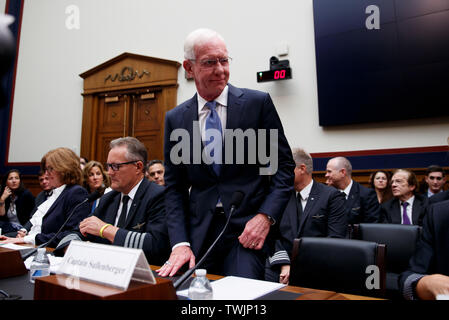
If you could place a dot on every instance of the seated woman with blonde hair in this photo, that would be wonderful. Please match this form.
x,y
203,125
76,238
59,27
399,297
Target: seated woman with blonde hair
x,y
96,179
65,177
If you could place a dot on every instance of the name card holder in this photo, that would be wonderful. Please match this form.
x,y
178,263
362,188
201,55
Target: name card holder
x,y
97,271
106,264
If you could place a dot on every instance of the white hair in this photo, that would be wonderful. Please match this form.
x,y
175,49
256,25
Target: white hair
x,y
198,37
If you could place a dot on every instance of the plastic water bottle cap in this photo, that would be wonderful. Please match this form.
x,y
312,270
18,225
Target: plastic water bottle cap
x,y
41,251
200,272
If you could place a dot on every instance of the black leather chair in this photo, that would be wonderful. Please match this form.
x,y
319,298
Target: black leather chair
x,y
400,241
338,265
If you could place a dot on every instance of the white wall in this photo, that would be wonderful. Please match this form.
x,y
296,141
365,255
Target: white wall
x,y
47,96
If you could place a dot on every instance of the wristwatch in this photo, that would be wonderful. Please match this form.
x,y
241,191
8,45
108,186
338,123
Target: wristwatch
x,y
270,218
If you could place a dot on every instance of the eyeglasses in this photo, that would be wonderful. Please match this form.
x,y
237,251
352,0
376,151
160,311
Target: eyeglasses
x,y
212,63
116,166
49,169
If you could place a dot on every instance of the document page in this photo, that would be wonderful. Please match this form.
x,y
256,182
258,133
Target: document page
x,y
237,288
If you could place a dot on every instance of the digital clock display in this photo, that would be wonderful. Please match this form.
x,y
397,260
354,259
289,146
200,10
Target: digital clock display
x,y
274,75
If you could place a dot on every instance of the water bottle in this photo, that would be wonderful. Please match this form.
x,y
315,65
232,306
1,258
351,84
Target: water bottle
x,y
40,267
200,288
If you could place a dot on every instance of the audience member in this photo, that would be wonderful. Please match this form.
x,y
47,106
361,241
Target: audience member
x,y
407,207
96,179
380,182
46,189
155,172
16,202
133,214
314,210
428,271
64,174
83,162
362,205
195,219
435,180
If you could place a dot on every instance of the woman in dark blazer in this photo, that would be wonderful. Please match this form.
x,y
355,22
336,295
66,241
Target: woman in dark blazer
x,y
16,202
65,177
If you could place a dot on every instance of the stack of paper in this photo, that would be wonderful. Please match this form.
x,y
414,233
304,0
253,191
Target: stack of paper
x,y
237,288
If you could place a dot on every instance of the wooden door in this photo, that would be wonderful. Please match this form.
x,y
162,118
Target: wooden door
x,y
138,114
147,122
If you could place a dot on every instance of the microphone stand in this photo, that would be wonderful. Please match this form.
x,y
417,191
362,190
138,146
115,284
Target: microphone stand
x,y
189,272
94,195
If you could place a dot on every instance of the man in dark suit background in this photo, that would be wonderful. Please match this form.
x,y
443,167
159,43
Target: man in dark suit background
x,y
195,218
46,189
362,204
435,180
407,207
314,210
132,214
428,271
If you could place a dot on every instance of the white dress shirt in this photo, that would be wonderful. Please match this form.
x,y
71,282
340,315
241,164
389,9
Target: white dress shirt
x,y
38,216
305,194
347,190
131,195
203,111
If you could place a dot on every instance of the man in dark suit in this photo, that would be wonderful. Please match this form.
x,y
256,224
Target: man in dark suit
x,y
362,205
133,214
196,218
406,207
435,180
441,196
428,271
46,190
314,210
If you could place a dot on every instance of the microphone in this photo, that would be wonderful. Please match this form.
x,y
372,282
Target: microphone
x,y
236,199
91,197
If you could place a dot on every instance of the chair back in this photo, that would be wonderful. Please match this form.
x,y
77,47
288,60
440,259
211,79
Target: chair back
x,y
341,265
400,241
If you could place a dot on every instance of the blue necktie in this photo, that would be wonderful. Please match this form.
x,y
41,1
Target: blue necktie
x,y
213,122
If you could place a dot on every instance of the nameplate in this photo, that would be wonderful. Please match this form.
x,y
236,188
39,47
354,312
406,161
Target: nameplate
x,y
106,264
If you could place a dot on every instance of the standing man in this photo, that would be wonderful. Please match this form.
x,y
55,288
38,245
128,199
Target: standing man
x,y
428,272
314,210
195,219
406,207
132,214
155,172
362,204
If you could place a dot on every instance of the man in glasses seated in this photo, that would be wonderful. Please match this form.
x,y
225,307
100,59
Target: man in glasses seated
x,y
133,214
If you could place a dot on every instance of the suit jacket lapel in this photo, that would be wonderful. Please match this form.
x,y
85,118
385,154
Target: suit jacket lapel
x,y
313,198
234,108
396,212
292,208
416,209
111,214
56,203
136,201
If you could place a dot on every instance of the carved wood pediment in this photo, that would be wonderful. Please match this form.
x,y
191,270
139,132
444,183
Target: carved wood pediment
x,y
130,70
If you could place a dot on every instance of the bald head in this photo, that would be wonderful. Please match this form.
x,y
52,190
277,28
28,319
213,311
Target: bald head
x,y
338,172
